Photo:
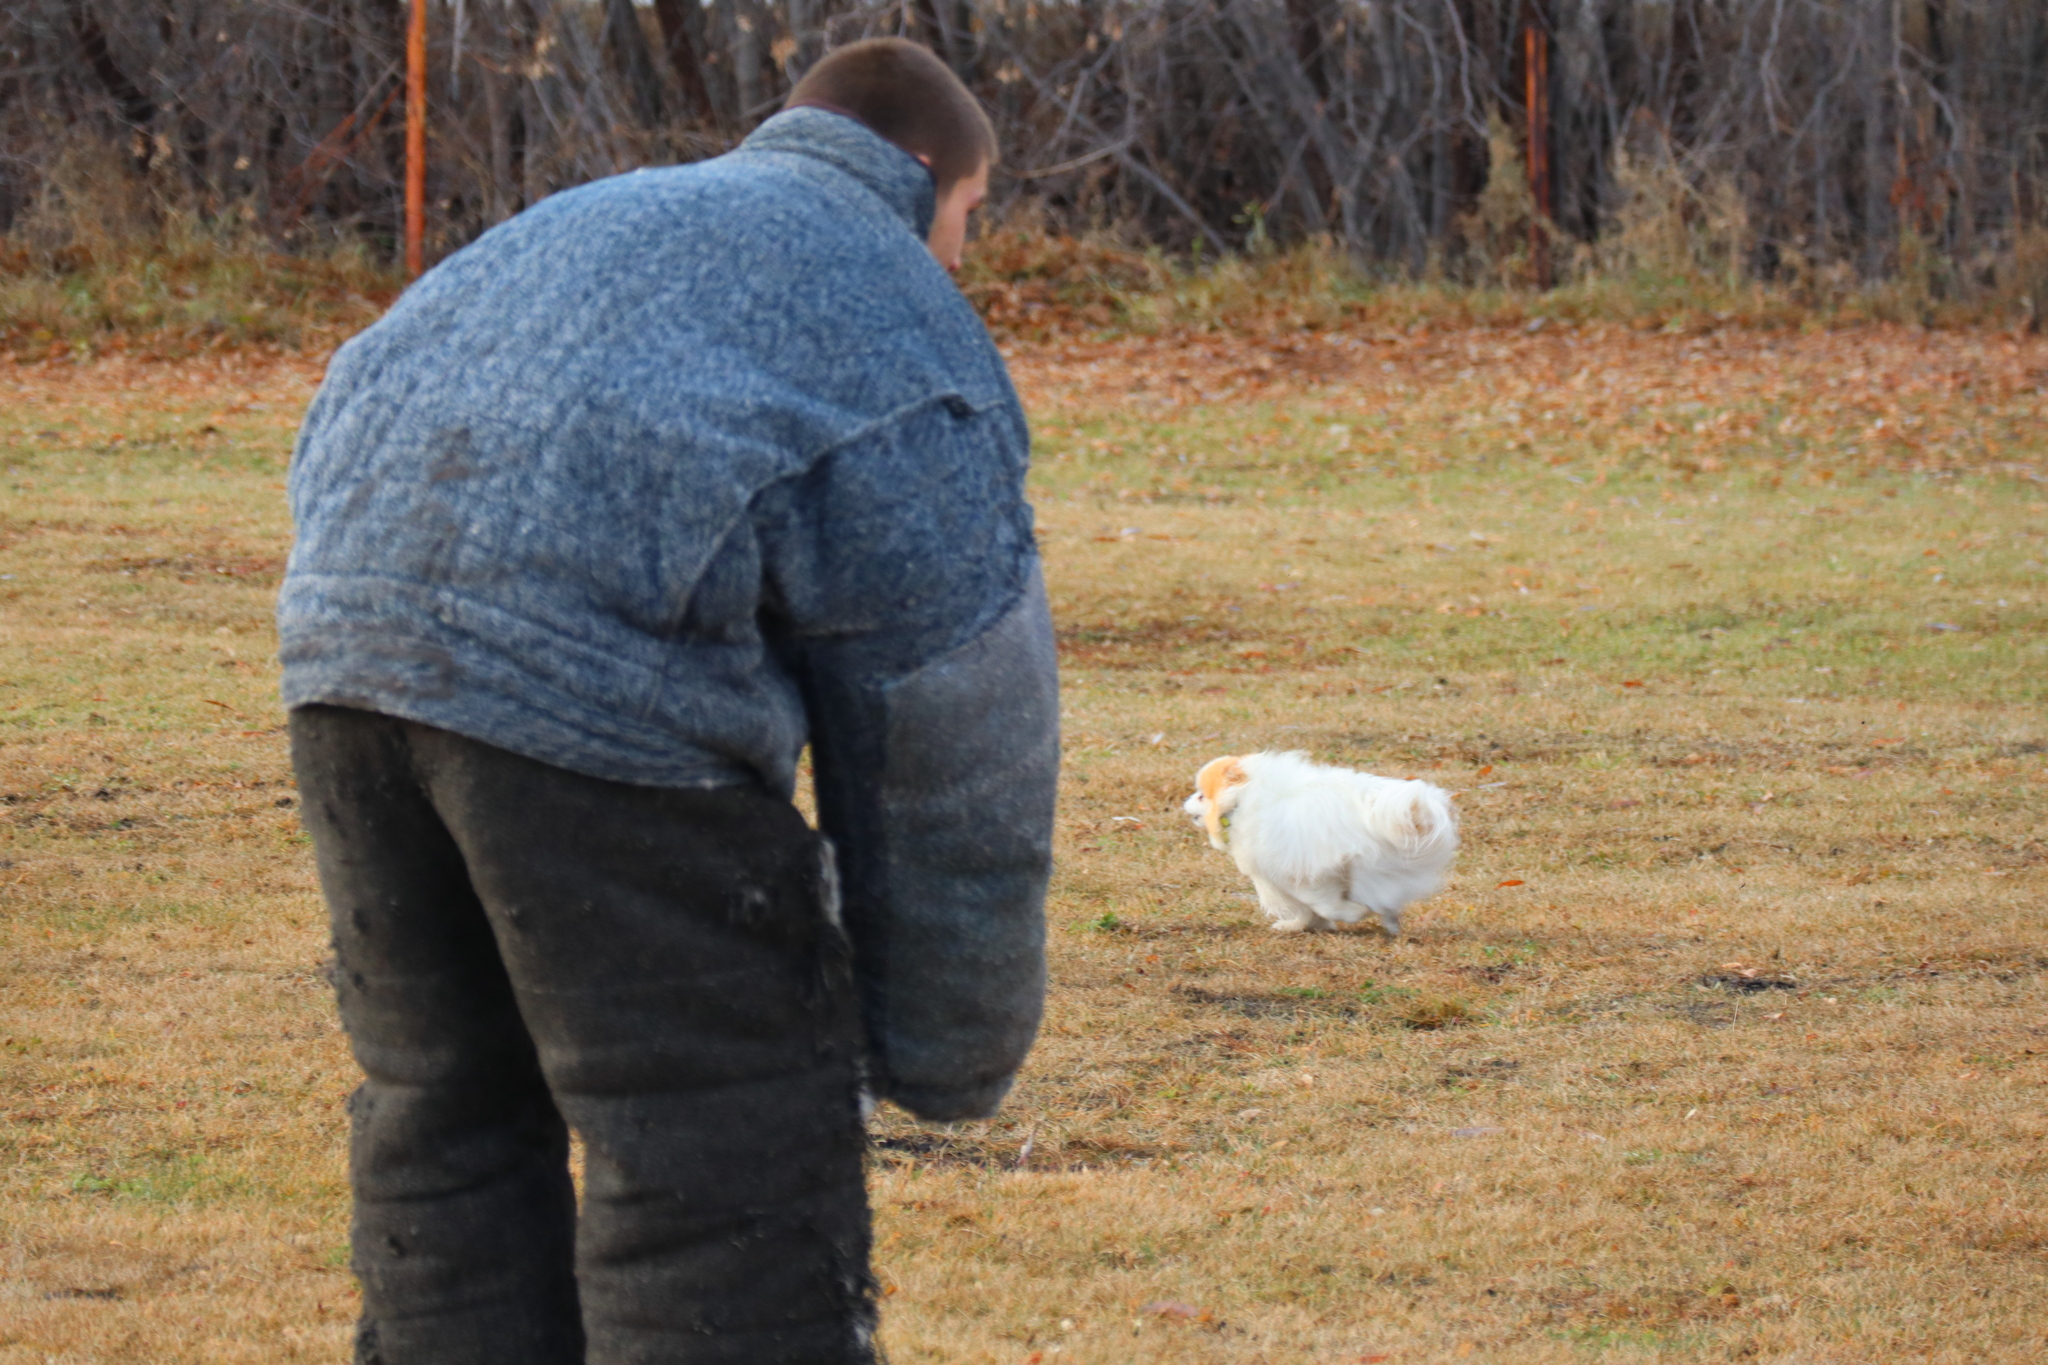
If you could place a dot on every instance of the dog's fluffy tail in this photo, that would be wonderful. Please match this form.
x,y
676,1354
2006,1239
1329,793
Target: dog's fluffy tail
x,y
1414,817
1415,827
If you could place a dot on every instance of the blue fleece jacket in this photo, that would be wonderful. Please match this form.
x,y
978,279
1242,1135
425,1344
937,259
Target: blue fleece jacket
x,y
678,471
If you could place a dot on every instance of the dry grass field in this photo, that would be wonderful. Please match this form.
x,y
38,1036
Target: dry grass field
x,y
1729,1042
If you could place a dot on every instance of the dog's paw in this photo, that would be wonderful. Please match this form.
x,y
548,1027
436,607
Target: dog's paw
x,y
1292,926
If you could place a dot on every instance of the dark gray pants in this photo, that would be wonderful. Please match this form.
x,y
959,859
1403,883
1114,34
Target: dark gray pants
x,y
519,946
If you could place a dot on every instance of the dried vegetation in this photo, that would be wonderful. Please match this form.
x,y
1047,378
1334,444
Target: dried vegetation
x,y
179,174
1729,1042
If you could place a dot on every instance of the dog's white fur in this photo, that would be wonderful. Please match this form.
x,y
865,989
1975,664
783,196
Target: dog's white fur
x,y
1325,845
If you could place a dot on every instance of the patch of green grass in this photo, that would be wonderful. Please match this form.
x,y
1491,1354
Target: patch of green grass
x,y
91,919
165,1178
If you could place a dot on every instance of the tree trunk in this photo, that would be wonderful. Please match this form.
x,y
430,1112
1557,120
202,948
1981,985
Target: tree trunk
x,y
746,20
682,33
626,41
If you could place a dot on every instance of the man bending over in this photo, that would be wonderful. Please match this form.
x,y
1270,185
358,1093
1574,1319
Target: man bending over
x,y
616,511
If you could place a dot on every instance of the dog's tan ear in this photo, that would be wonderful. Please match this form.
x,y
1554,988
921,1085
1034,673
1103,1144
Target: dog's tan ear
x,y
1220,781
1218,776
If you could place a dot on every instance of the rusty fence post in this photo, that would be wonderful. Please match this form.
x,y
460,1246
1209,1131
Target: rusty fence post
x,y
1536,71
416,140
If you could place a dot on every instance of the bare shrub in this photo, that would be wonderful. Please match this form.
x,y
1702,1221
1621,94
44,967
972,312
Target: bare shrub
x,y
1496,232
1819,145
2030,274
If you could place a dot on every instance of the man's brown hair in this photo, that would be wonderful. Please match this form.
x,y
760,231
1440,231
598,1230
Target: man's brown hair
x,y
907,95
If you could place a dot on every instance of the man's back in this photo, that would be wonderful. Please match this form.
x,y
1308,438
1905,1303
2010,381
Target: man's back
x,y
566,496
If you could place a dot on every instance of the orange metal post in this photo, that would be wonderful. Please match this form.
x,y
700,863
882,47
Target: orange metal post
x,y
1536,66
416,140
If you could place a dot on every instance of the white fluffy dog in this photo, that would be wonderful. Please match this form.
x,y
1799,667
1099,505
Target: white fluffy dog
x,y
1324,845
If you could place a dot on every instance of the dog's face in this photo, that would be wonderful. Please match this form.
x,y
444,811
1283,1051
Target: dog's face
x,y
1216,790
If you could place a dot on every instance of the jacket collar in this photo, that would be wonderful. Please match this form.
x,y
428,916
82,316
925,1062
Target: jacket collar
x,y
899,179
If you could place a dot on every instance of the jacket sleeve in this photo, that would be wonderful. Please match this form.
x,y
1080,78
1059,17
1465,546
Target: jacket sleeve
x,y
904,589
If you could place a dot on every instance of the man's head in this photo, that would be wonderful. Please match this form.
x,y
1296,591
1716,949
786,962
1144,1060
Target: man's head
x,y
907,95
